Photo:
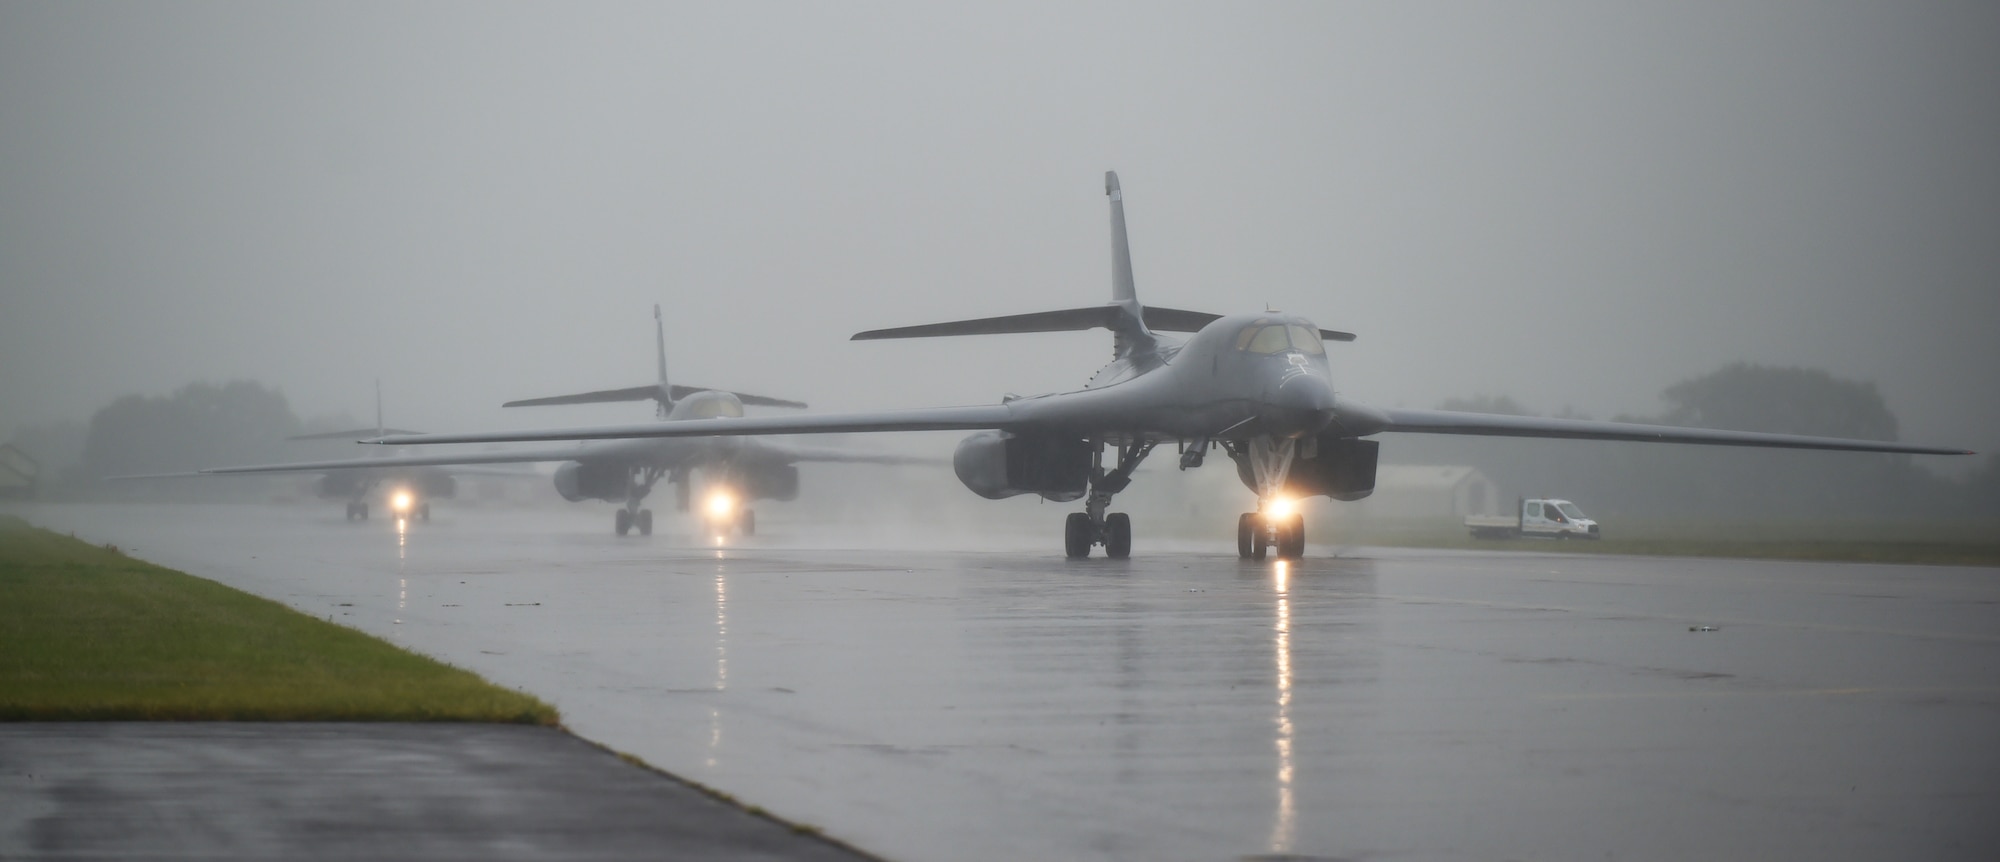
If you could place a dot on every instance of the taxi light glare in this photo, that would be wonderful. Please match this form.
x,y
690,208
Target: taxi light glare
x,y
721,504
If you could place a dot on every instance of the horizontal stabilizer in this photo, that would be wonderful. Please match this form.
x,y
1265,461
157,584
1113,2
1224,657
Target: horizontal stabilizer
x,y
1176,320
354,434
745,397
646,393
1066,320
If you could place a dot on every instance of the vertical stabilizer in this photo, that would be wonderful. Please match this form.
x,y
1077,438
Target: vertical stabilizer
x,y
666,398
1130,339
1121,251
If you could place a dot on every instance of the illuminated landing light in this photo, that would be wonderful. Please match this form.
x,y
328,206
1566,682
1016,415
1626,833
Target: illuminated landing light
x,y
721,504
401,501
1280,507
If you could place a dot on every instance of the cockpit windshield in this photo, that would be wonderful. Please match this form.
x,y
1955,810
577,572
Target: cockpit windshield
x,y
1306,339
1278,338
715,408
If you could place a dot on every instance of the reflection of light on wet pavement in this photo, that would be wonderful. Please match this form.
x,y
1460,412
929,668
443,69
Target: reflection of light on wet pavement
x,y
721,631
1284,826
402,537
721,663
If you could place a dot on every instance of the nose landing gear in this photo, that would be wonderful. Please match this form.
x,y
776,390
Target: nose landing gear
x,y
1258,534
1275,526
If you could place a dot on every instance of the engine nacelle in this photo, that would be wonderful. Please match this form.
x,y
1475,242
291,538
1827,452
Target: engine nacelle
x,y
342,484
1343,468
772,482
433,484
577,481
998,464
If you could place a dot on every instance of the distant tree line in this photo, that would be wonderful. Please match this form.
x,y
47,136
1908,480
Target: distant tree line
x,y
1676,481
199,425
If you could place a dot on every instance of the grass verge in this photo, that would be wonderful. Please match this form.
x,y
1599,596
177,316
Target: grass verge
x,y
87,633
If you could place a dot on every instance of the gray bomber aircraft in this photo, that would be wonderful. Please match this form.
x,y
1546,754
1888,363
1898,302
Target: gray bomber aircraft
x,y
735,472
1256,385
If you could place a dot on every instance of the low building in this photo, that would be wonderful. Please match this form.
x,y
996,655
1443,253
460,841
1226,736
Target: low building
x,y
18,473
1430,491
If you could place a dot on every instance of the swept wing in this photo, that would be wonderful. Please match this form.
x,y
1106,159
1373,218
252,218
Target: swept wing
x,y
1490,425
934,419
1000,416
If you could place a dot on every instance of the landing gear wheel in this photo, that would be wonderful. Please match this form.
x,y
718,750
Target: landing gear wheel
x,y
1076,535
424,513
1246,534
748,523
1118,535
623,521
1292,537
361,511
644,521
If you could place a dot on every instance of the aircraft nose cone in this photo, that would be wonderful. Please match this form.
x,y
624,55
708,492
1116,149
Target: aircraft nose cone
x,y
1300,407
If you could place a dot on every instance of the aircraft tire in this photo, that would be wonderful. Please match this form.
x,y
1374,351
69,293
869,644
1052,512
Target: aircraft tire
x,y
424,512
1246,534
1118,535
748,523
350,512
1292,538
361,511
644,522
1076,536
622,522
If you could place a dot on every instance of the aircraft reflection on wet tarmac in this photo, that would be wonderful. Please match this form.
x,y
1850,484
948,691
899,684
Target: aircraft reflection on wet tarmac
x,y
1009,704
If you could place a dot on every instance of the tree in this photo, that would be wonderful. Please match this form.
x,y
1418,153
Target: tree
x,y
1746,397
200,425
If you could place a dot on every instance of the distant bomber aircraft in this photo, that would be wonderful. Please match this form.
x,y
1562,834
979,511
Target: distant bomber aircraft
x,y
1256,385
734,472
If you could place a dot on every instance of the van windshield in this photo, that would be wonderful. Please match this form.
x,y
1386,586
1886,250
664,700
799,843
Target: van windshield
x,y
1571,510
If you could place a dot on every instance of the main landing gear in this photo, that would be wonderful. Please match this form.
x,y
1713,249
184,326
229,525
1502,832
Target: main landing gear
x,y
631,517
1093,525
357,511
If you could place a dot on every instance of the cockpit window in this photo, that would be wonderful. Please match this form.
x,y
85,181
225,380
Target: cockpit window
x,y
1278,338
1270,339
1243,336
712,408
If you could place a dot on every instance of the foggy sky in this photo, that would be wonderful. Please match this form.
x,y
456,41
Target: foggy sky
x,y
1574,204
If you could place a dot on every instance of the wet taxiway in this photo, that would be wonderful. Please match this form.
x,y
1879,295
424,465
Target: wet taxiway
x,y
1005,703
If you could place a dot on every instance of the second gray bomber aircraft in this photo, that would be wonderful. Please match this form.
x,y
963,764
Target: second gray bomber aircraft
x,y
1255,385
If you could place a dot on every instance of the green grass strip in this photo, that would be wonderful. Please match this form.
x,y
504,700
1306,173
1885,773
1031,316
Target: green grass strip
x,y
87,633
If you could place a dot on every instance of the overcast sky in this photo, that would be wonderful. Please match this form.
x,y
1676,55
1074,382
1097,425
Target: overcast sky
x,y
1573,204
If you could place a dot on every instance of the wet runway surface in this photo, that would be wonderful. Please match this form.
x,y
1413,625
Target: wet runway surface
x,y
1006,703
392,792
